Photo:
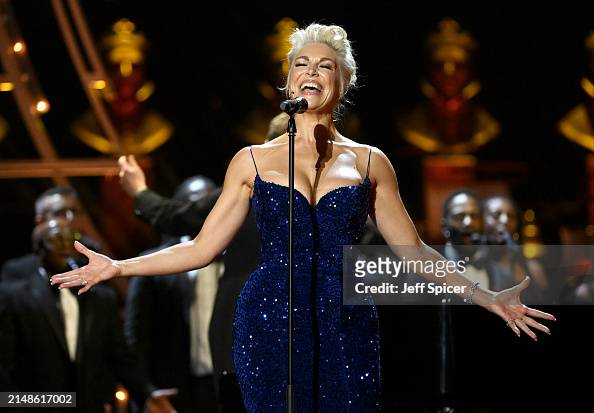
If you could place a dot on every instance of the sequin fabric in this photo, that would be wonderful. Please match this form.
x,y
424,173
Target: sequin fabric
x,y
335,347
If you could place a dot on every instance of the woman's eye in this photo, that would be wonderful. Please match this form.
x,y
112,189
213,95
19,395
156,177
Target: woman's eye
x,y
300,64
327,67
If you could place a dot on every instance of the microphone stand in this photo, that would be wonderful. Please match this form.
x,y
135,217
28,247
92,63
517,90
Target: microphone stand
x,y
291,130
291,107
445,357
446,348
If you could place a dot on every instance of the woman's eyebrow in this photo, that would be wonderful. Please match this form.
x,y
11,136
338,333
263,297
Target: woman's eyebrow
x,y
323,58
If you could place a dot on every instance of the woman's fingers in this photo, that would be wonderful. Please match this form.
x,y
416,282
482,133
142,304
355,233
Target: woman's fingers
x,y
75,282
86,288
514,327
64,277
534,324
541,314
83,250
518,316
75,278
524,284
525,329
98,269
70,279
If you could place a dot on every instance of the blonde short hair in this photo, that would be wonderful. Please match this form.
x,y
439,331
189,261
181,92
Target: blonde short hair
x,y
334,37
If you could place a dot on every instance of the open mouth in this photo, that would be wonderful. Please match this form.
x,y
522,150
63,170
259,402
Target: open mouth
x,y
311,88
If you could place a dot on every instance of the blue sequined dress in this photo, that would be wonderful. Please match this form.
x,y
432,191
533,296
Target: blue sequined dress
x,y
335,347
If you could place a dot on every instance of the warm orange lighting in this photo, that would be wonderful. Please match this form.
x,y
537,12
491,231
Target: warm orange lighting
x,y
126,68
19,47
99,84
121,395
530,231
529,215
145,91
42,106
6,86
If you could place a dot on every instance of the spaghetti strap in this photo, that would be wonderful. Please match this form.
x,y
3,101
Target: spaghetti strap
x,y
253,160
368,162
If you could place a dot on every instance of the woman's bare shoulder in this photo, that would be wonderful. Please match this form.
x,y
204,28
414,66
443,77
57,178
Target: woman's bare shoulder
x,y
241,167
378,160
357,147
279,140
271,144
271,147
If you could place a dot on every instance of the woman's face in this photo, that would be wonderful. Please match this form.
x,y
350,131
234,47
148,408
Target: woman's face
x,y
315,76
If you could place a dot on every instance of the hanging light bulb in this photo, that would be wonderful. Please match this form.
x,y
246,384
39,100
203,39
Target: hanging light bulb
x,y
19,47
42,106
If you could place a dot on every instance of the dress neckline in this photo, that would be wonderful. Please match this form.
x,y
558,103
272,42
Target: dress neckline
x,y
365,182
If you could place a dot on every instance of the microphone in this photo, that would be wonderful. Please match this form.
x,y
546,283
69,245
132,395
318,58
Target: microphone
x,y
293,106
71,262
477,239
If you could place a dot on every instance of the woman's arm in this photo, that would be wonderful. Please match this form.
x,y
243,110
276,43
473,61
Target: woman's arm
x,y
218,230
396,227
394,223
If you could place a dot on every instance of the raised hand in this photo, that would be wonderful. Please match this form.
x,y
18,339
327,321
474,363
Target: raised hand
x,y
517,316
131,175
99,268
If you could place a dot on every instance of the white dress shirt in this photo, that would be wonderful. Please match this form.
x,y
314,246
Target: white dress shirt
x,y
206,285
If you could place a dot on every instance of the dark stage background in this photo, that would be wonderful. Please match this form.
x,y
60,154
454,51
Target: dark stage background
x,y
206,61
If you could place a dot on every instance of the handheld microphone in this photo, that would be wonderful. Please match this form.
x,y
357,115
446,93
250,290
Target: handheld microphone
x,y
293,106
477,239
72,263
507,237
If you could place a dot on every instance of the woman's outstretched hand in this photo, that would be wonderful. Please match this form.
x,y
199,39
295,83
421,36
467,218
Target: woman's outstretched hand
x,y
99,268
507,305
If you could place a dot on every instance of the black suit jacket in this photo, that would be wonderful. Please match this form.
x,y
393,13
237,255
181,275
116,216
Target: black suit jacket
x,y
19,268
33,351
240,258
173,217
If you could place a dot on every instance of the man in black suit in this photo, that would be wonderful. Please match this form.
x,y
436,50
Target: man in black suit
x,y
55,203
177,217
463,229
54,340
